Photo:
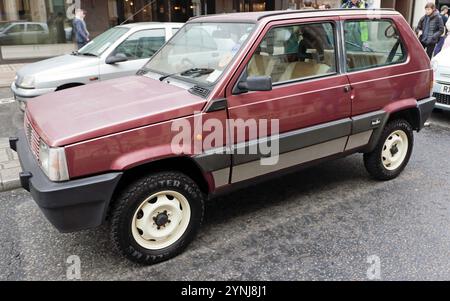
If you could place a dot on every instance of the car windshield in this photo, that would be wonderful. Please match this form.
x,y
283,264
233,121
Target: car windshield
x,y
3,26
99,45
200,52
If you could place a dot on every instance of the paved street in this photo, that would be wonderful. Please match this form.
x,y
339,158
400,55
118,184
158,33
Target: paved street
x,y
11,119
318,224
7,74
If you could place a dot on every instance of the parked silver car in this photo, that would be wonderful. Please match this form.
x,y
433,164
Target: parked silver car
x,y
120,51
441,87
23,33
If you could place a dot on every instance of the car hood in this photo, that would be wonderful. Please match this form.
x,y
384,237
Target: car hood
x,y
108,107
57,65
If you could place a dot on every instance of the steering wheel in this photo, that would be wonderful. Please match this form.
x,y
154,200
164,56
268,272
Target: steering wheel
x,y
362,47
393,34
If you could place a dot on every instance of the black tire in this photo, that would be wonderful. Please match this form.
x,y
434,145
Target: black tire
x,y
373,161
132,197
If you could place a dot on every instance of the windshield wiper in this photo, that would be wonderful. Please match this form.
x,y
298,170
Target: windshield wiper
x,y
192,72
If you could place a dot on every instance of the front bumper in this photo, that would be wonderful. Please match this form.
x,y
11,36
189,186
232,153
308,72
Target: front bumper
x,y
70,206
24,95
443,100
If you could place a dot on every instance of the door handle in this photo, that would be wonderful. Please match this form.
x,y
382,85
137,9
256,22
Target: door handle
x,y
347,89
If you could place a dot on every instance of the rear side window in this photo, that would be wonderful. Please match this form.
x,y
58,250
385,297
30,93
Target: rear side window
x,y
372,43
295,52
34,28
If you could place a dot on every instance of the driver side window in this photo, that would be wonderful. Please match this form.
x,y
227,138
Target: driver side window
x,y
142,44
372,43
295,52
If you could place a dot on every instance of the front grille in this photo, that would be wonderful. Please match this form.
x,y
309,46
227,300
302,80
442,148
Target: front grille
x,y
32,137
442,98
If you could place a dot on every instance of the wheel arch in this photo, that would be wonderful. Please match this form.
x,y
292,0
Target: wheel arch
x,y
68,86
412,115
185,165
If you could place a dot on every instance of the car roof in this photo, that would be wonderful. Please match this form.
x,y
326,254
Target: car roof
x,y
150,24
254,17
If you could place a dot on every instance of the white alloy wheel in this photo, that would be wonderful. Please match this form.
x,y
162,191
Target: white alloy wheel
x,y
395,150
161,220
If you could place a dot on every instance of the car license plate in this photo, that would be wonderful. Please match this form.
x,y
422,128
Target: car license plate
x,y
445,89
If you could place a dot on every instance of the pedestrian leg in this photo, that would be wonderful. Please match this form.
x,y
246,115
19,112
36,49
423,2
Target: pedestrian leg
x,y
430,50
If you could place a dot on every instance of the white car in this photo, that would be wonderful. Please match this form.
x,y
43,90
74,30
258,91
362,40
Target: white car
x,y
441,87
118,52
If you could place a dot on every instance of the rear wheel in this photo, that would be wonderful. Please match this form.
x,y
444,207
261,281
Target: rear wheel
x,y
392,152
156,217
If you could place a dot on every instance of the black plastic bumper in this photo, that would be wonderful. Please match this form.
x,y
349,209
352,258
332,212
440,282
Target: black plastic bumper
x,y
70,206
425,107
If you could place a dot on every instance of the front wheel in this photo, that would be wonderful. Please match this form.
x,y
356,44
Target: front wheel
x,y
393,151
156,217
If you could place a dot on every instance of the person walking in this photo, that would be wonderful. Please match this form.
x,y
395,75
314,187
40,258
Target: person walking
x,y
444,16
51,28
430,28
355,4
60,32
79,26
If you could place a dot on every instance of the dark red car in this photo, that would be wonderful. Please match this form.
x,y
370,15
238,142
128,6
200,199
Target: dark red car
x,y
230,99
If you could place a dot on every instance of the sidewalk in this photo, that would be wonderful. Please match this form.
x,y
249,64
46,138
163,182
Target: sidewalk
x,y
9,167
7,74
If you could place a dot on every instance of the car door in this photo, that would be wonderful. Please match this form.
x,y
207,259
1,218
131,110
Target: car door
x,y
310,97
139,47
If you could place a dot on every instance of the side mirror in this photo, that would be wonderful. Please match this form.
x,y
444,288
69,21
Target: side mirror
x,y
256,83
117,58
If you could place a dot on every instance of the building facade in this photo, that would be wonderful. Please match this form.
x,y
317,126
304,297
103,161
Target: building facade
x,y
54,17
